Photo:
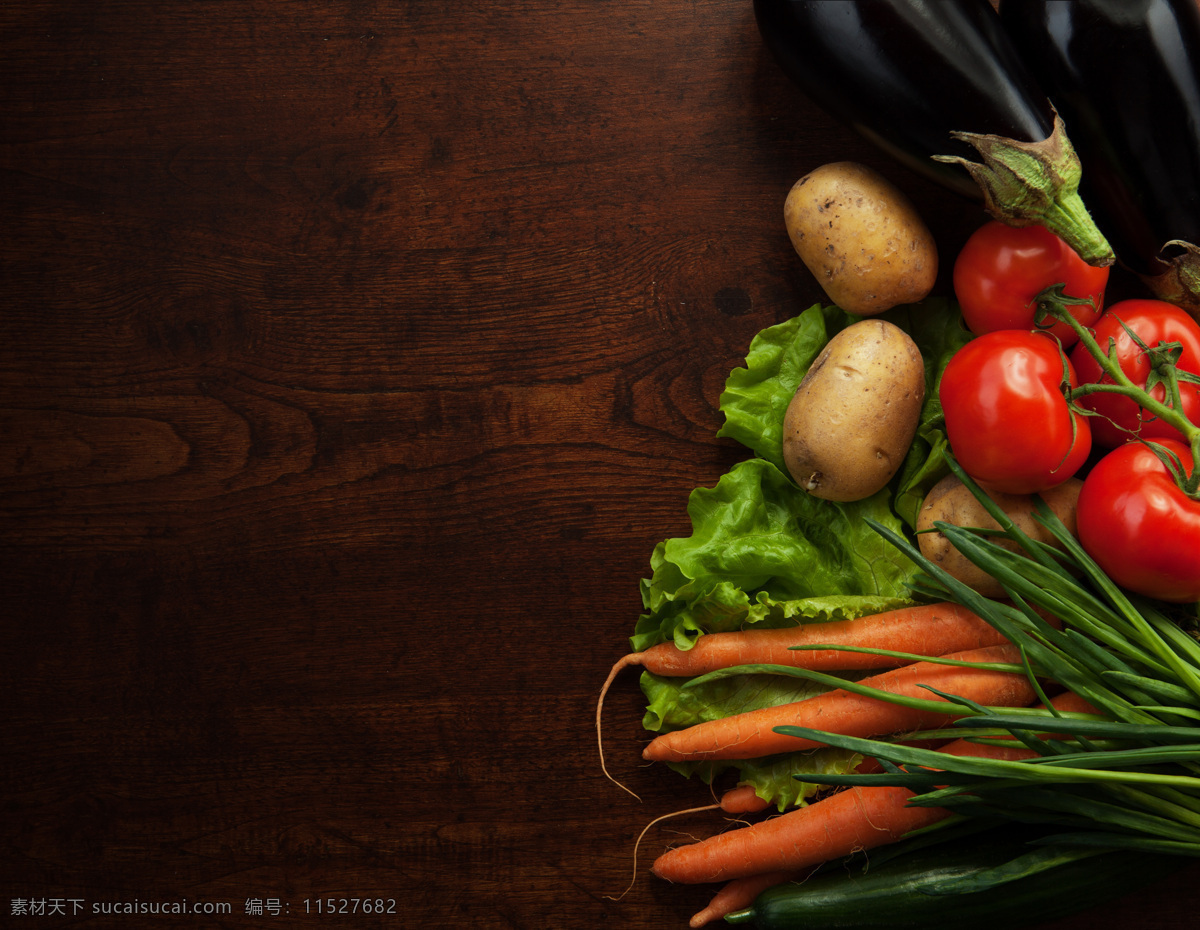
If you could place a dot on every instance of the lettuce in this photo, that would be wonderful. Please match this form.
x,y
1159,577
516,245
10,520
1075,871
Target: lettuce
x,y
764,553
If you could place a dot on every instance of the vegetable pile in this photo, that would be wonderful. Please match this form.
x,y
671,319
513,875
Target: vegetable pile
x,y
946,610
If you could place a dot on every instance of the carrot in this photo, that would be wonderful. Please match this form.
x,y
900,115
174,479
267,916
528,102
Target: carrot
x,y
751,734
837,825
742,800
924,629
854,819
741,893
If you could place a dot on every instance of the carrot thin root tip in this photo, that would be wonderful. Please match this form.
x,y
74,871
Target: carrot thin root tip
x,y
634,658
637,844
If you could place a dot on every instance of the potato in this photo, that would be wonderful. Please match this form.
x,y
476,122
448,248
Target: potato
x,y
951,501
853,417
861,237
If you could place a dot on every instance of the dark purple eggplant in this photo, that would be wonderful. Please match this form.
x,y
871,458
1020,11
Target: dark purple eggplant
x,y
1125,75
937,84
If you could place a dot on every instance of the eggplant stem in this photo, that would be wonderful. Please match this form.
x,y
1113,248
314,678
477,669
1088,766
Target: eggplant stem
x,y
1035,183
1178,282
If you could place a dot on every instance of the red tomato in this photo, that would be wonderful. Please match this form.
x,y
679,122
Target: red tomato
x,y
1139,526
1002,269
1007,418
1153,321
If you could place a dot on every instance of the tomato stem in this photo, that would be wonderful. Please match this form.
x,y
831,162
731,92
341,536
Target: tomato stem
x,y
1054,302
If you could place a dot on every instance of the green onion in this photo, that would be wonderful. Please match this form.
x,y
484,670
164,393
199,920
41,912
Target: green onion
x,y
1127,777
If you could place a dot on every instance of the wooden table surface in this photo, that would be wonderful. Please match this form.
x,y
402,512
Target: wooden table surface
x,y
354,356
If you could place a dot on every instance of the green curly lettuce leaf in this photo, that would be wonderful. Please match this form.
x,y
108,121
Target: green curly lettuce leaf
x,y
756,397
764,553
936,327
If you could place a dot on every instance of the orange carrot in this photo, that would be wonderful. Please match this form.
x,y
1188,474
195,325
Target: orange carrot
x,y
742,800
839,824
751,734
924,629
741,893
854,819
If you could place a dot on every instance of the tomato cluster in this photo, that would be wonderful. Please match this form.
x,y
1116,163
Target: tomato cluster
x,y
1027,399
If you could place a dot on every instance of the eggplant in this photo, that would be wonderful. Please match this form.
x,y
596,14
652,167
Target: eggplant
x,y
937,84
1125,75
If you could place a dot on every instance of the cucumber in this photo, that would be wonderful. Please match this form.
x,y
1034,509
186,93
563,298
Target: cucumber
x,y
991,881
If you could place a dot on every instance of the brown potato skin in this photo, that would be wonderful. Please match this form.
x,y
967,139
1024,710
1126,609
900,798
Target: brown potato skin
x,y
951,501
853,416
861,237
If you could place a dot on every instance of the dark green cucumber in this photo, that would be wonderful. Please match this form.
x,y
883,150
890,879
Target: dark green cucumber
x,y
914,890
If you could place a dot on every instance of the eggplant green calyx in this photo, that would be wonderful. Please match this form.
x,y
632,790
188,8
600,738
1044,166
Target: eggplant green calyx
x,y
1179,282
1035,184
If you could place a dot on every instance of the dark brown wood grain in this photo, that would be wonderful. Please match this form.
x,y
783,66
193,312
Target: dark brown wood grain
x,y
353,358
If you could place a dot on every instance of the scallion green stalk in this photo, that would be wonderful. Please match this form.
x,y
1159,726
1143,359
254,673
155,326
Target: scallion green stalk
x,y
1126,777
